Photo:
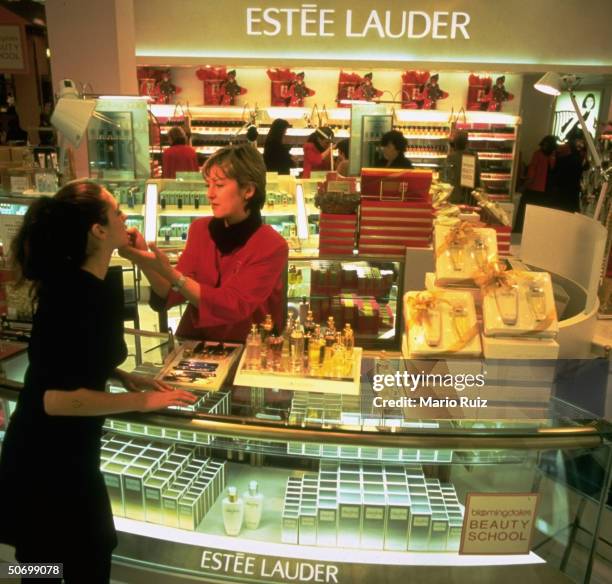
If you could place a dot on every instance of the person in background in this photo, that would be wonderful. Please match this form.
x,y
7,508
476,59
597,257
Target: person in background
x,y
252,134
452,169
393,151
318,151
179,157
59,508
571,161
276,154
537,185
342,168
231,271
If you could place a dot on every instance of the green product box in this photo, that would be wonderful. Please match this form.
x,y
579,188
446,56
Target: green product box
x,y
374,519
420,526
307,530
111,472
454,534
154,486
289,526
349,519
170,499
133,479
188,512
439,531
398,522
327,522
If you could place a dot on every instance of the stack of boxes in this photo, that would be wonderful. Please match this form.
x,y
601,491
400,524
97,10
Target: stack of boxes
x,y
390,507
396,211
172,485
214,402
16,168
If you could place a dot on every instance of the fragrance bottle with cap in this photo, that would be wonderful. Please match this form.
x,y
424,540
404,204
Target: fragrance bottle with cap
x,y
233,512
253,506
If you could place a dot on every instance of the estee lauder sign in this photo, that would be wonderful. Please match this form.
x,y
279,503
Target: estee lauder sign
x,y
309,20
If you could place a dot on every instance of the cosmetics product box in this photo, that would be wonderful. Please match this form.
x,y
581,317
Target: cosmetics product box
x,y
398,521
439,531
289,526
308,525
203,486
327,520
349,519
133,478
154,486
374,512
170,499
520,348
454,534
112,478
420,526
188,512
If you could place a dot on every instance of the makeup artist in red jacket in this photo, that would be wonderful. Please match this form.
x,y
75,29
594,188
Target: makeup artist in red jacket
x,y
231,271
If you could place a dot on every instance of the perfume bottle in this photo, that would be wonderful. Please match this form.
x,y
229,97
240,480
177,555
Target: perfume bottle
x,y
432,327
457,256
338,358
285,355
253,506
233,512
253,349
162,201
314,351
460,320
537,301
506,299
303,309
297,348
179,201
480,252
309,323
273,354
349,340
196,201
330,332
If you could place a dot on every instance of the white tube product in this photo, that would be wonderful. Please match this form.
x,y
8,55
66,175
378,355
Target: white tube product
x,y
233,512
253,506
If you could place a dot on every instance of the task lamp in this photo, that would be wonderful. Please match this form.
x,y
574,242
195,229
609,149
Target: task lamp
x,y
553,84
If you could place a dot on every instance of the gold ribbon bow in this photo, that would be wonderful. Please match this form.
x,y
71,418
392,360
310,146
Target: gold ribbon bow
x,y
495,274
460,234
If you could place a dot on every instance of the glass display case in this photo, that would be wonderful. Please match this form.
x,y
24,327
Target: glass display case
x,y
256,485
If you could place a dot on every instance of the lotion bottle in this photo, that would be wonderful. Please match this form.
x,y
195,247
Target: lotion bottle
x,y
253,506
233,512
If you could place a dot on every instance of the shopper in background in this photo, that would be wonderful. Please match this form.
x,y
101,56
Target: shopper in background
x,y
231,272
57,507
571,161
342,168
536,190
276,154
452,169
393,151
318,151
179,157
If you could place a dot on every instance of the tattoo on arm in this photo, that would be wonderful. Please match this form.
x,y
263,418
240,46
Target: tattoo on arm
x,y
76,404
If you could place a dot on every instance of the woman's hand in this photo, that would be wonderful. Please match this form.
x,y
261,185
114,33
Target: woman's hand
x,y
154,400
136,247
136,382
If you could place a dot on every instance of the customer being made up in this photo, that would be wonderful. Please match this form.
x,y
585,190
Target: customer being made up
x,y
58,509
318,151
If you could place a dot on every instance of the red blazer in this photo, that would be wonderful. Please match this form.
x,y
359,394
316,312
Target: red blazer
x,y
313,160
179,158
236,289
537,172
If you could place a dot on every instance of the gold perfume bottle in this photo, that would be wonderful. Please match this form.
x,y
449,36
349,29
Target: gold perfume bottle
x,y
460,320
536,299
456,251
432,326
506,299
314,351
480,252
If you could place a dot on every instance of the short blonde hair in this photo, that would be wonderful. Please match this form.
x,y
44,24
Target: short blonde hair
x,y
245,165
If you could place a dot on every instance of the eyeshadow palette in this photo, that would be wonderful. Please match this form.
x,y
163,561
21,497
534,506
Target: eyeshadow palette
x,y
199,365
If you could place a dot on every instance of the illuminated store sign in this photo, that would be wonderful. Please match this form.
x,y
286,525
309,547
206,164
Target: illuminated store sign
x,y
310,21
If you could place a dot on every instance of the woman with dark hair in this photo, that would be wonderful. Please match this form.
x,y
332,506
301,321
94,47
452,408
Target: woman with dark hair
x,y
342,168
179,156
231,272
571,162
451,172
318,151
393,148
276,154
537,186
59,509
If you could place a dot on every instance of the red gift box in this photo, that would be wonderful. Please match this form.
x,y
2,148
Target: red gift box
x,y
398,184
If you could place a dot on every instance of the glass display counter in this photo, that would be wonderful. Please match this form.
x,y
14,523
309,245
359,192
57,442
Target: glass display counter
x,y
342,489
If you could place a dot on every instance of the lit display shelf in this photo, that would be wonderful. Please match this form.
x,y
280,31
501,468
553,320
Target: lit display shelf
x,y
257,485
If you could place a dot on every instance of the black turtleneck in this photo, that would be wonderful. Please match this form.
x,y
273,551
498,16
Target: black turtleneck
x,y
230,237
